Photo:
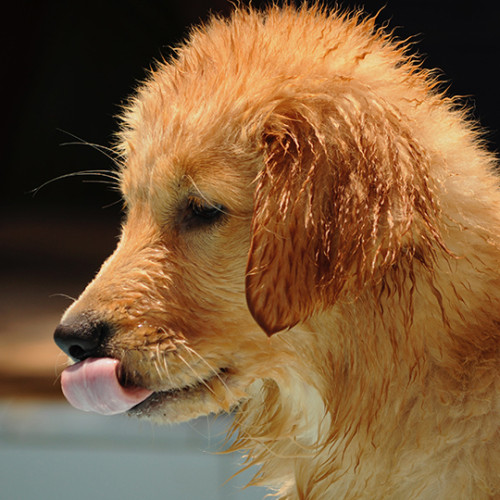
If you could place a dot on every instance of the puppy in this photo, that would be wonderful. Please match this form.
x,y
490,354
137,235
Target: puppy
x,y
312,241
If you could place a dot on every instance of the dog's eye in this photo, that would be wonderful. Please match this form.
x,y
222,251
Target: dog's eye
x,y
201,213
205,211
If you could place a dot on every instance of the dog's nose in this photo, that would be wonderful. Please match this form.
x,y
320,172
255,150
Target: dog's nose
x,y
81,337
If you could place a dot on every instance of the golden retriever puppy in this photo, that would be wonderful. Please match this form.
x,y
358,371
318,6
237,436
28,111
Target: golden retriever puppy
x,y
312,240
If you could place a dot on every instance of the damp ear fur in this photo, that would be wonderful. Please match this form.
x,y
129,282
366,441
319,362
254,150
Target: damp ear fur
x,y
343,182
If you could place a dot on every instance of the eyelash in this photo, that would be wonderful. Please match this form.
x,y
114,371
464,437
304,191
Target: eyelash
x,y
200,213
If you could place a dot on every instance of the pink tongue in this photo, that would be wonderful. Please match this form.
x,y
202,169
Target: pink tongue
x,y
92,385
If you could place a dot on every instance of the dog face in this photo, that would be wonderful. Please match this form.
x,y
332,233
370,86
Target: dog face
x,y
258,192
170,302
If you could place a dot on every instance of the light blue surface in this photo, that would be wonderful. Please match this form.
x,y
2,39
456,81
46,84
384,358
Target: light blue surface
x,y
51,451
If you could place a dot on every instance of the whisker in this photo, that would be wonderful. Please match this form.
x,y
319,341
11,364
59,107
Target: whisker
x,y
61,362
113,203
108,183
163,365
216,372
108,152
110,177
63,295
196,374
105,150
98,173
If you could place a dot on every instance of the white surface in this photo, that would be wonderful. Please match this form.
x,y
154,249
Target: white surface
x,y
52,452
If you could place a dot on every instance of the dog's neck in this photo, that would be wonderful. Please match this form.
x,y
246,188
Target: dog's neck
x,y
379,393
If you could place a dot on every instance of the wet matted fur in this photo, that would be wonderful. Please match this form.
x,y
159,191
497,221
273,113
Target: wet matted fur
x,y
312,240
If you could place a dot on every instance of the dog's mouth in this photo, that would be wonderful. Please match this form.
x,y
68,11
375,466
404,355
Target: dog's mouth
x,y
197,391
94,385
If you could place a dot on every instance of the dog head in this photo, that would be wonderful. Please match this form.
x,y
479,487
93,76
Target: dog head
x,y
261,187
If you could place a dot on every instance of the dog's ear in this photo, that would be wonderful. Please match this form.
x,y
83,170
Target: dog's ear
x,y
344,186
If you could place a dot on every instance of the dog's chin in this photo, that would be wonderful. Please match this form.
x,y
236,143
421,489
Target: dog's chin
x,y
211,396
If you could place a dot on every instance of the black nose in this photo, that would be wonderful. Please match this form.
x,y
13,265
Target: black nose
x,y
81,337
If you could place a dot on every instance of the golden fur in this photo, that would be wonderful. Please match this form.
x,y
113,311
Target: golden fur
x,y
361,226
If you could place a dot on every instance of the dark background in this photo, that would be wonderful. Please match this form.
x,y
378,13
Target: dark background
x,y
70,64
66,68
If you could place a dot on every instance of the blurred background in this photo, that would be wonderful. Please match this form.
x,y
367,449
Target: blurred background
x,y
67,66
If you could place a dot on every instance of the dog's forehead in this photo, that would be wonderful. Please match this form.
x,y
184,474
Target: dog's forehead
x,y
173,145
163,173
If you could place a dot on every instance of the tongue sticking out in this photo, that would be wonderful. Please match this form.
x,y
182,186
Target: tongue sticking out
x,y
92,385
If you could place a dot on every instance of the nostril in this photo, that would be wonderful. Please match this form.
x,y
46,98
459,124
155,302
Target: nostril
x,y
77,352
81,338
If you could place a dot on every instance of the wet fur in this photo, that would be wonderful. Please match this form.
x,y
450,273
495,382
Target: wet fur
x,y
361,234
